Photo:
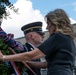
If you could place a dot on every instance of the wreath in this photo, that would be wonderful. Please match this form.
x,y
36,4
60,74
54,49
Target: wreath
x,y
6,66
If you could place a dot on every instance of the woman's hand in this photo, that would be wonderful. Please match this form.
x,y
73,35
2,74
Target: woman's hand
x,y
1,56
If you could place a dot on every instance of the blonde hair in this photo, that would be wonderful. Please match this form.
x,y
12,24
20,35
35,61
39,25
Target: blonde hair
x,y
60,19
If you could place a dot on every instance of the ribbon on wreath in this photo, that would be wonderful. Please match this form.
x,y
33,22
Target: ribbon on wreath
x,y
17,72
24,63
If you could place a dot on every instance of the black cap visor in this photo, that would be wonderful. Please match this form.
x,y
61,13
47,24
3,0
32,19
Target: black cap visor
x,y
41,33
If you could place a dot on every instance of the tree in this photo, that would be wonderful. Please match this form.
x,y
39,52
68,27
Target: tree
x,y
3,9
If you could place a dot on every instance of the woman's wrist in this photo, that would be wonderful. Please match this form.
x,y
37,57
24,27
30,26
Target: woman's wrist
x,y
3,58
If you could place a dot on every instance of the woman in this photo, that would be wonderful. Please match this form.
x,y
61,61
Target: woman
x,y
58,49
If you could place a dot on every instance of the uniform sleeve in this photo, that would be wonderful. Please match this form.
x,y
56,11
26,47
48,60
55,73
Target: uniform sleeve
x,y
50,45
10,41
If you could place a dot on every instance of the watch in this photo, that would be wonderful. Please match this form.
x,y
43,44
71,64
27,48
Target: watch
x,y
3,57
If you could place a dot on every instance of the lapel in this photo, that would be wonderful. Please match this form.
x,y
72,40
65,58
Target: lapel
x,y
29,46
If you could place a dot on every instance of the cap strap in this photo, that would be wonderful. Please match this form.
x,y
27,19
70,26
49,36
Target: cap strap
x,y
32,28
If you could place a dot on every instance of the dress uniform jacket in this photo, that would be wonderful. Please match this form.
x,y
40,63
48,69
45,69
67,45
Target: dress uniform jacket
x,y
28,47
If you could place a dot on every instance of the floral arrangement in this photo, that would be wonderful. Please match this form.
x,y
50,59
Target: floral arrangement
x,y
6,66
